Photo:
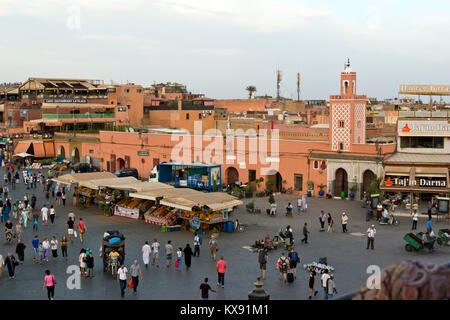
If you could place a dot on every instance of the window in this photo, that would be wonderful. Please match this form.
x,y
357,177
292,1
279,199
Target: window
x,y
187,116
91,151
199,116
341,124
341,146
298,182
251,175
422,142
139,90
127,90
359,124
316,164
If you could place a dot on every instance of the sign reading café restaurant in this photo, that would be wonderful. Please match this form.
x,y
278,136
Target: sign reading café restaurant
x,y
404,181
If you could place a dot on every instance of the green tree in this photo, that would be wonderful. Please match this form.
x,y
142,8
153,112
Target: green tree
x,y
374,187
271,199
251,90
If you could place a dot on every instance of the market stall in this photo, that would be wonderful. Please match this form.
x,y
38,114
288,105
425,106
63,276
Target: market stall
x,y
193,210
82,194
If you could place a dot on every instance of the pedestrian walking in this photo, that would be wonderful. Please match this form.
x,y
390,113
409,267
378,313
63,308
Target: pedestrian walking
x,y
44,214
204,289
122,279
135,274
187,252
213,247
305,233
64,247
20,250
52,214
11,265
70,230
415,218
25,215
54,248
81,228
293,260
58,196
263,257
324,279
322,219
18,231
155,250
371,237
178,261
89,263
82,261
146,251
35,221
63,199
429,225
330,223
283,266
197,243
35,244
221,266
344,220
312,281
49,283
41,253
169,253
46,246
331,287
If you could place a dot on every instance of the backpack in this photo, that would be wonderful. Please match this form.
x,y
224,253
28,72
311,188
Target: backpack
x,y
262,257
283,263
294,257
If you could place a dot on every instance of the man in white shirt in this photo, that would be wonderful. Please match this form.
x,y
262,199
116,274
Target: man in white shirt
x,y
324,279
196,245
371,237
415,219
146,251
44,214
122,278
155,249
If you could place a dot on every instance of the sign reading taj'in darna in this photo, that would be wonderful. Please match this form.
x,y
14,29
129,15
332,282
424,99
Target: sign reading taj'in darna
x,y
404,181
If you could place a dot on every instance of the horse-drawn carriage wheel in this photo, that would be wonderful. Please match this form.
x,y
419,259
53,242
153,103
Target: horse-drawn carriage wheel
x,y
439,241
409,248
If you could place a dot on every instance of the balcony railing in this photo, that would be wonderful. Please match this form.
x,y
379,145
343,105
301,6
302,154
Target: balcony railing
x,y
78,116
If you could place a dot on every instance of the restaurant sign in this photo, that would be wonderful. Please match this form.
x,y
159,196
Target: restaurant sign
x,y
65,100
423,128
426,182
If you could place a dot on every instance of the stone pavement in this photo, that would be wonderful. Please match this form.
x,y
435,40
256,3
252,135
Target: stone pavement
x,y
346,252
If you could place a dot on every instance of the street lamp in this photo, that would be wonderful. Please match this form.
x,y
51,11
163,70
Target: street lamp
x,y
258,293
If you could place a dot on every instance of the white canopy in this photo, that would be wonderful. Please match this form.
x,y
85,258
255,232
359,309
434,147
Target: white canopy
x,y
23,155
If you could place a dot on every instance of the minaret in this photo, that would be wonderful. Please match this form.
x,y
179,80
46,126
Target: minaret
x,y
347,114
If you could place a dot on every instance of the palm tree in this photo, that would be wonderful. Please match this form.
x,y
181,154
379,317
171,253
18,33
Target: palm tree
x,y
250,90
374,187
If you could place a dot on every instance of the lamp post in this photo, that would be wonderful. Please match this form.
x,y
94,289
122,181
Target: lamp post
x,y
258,293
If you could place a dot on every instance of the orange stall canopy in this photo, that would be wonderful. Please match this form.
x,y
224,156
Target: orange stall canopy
x,y
22,147
39,150
49,149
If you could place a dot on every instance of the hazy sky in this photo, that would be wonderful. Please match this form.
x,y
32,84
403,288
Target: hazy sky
x,y
219,47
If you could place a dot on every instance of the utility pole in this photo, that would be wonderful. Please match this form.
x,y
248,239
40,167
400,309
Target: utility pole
x,y
298,86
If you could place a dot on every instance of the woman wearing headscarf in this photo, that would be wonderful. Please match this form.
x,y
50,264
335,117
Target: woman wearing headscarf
x,y
187,256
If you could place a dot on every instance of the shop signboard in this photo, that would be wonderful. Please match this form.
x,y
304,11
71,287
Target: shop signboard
x,y
216,219
125,212
423,128
425,182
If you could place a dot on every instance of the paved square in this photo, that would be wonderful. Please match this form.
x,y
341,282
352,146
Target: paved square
x,y
346,252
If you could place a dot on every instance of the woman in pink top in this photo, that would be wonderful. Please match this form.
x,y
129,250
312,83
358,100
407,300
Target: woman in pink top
x,y
221,266
49,282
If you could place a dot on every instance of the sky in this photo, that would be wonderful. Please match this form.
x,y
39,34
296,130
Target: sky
x,y
220,47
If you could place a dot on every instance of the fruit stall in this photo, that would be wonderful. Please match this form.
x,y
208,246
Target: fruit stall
x,y
132,208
